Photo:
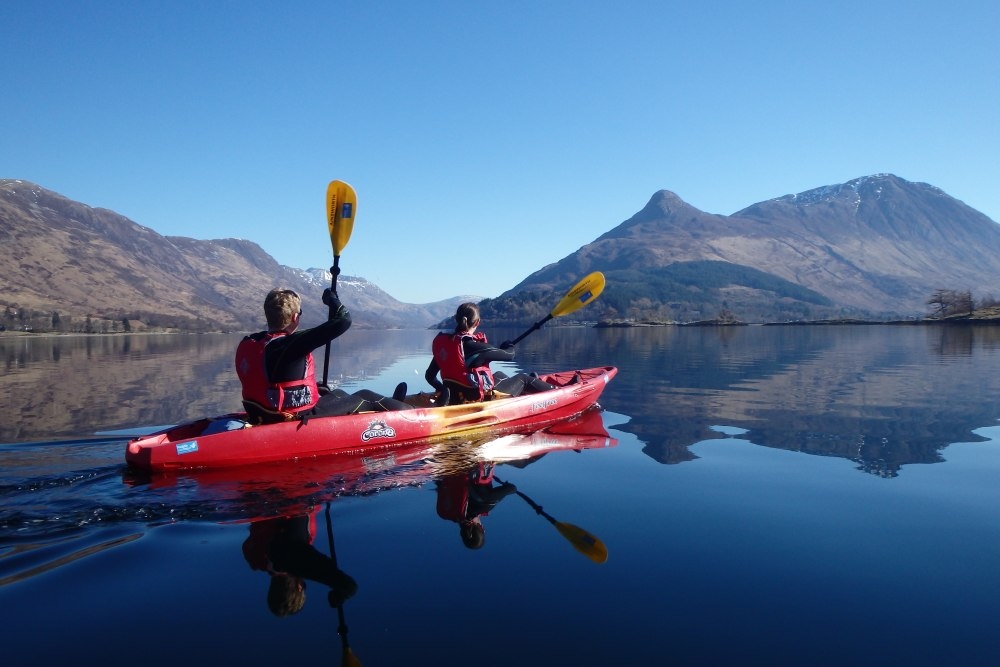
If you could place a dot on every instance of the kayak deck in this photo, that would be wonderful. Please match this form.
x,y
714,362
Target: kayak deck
x,y
228,440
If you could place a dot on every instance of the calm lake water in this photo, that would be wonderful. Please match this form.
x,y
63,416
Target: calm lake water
x,y
788,495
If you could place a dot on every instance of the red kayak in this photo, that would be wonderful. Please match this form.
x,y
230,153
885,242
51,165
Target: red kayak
x,y
228,440
289,487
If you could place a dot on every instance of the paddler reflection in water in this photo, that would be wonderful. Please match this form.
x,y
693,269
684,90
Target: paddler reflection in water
x,y
467,497
277,370
283,548
463,358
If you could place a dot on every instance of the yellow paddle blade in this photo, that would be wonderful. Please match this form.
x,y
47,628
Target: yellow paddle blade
x,y
349,659
584,542
341,208
582,293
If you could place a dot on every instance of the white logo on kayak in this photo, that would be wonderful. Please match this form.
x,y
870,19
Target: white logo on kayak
x,y
541,405
377,429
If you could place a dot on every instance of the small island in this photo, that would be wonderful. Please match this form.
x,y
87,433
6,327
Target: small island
x,y
985,315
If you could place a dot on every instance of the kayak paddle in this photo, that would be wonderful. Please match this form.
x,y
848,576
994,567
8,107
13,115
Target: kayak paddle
x,y
582,293
584,542
348,659
341,207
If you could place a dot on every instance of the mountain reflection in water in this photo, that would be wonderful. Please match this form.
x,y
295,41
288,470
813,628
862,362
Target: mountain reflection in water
x,y
745,554
881,395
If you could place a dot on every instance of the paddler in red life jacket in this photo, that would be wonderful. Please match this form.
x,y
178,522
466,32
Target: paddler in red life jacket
x,y
463,358
278,373
467,497
283,547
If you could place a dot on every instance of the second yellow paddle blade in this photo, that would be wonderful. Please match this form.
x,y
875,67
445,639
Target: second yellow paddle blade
x,y
582,293
349,659
341,209
584,542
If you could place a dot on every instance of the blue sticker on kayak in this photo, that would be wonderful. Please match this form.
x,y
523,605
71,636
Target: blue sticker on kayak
x,y
187,447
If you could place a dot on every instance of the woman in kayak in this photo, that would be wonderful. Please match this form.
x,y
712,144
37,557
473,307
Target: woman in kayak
x,y
278,373
467,497
463,358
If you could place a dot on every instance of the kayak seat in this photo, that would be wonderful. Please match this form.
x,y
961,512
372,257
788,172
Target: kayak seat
x,y
257,414
224,424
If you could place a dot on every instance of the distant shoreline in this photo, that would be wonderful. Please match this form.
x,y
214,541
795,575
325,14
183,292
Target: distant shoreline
x,y
992,319
988,318
55,334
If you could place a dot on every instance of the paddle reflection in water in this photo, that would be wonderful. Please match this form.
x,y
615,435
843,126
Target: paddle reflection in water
x,y
463,475
337,598
467,497
583,541
466,494
283,548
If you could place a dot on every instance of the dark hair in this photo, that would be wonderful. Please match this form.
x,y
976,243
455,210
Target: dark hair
x,y
466,317
473,534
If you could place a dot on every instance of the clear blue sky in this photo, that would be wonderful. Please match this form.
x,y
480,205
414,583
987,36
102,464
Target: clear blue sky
x,y
486,139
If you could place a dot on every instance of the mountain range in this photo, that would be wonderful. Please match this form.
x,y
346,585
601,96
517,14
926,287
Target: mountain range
x,y
95,269
874,247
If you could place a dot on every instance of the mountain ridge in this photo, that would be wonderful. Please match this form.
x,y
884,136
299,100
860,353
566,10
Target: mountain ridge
x,y
64,260
873,247
876,246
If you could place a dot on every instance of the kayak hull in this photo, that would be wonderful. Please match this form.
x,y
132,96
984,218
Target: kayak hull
x,y
289,488
187,446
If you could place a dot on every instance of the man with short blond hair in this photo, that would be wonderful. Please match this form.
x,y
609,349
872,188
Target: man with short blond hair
x,y
278,372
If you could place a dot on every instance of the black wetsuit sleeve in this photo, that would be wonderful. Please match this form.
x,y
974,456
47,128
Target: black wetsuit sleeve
x,y
481,354
431,375
284,357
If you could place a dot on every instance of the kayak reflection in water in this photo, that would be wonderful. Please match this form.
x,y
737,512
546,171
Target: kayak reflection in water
x,y
283,548
467,497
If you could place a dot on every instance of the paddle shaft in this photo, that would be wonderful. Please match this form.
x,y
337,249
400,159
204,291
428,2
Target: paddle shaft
x,y
334,270
538,508
342,624
581,540
534,327
535,506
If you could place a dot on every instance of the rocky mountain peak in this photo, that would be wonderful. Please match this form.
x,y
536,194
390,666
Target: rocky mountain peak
x,y
66,261
875,246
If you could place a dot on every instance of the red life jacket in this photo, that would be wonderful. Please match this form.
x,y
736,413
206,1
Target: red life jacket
x,y
450,357
453,493
281,397
264,532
